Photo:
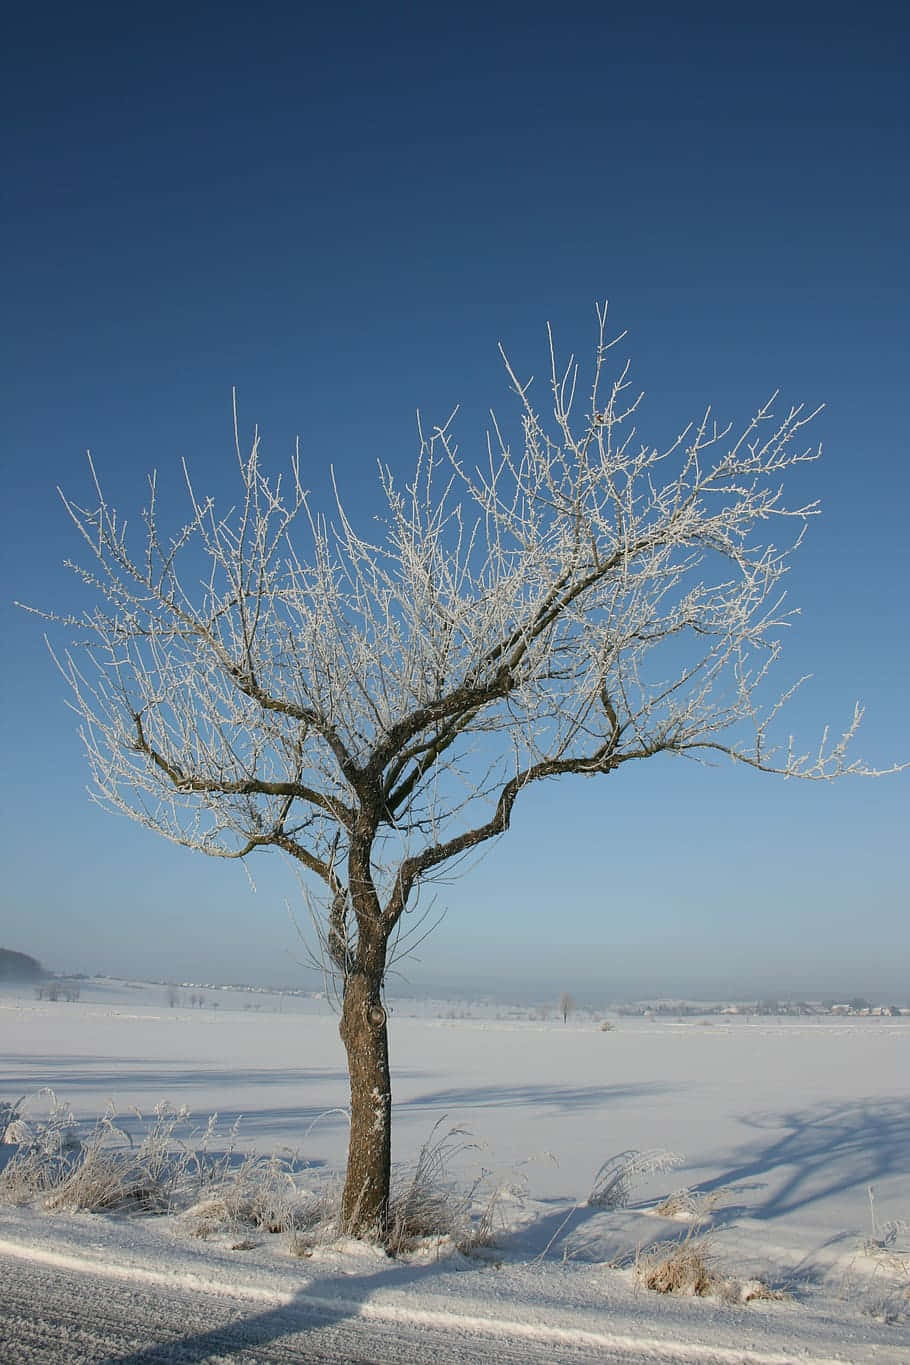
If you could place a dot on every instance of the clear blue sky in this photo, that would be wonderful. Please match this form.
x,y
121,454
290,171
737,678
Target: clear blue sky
x,y
341,210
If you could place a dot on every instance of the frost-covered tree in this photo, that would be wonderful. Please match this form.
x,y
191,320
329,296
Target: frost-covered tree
x,y
271,677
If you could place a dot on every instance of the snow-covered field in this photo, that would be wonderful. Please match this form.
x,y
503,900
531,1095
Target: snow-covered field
x,y
784,1123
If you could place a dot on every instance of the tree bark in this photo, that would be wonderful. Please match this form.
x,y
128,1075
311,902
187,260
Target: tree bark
x,y
364,1032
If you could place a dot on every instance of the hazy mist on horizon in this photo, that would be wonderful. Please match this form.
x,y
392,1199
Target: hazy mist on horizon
x,y
594,974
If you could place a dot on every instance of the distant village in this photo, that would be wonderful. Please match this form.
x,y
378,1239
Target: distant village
x,y
855,1006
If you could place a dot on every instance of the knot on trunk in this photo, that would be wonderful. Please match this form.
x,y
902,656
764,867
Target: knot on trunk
x,y
376,1015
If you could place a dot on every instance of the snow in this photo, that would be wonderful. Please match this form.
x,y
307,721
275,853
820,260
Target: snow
x,y
783,1125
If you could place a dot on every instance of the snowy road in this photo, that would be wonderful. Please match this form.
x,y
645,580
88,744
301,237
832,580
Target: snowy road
x,y
53,1315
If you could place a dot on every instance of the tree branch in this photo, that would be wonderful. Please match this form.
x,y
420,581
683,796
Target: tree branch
x,y
602,761
248,786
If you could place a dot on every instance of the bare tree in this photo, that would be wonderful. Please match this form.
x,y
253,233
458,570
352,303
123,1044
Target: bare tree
x,y
566,1005
272,678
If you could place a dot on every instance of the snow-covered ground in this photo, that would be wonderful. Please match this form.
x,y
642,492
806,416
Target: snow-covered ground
x,y
785,1124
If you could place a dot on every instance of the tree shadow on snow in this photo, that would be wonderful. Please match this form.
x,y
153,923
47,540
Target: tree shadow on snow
x,y
562,1098
801,1157
149,1074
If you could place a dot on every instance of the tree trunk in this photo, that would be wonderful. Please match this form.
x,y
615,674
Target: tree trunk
x,y
365,1202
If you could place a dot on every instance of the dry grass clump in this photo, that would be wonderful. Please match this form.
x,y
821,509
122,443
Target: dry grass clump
x,y
888,1248
427,1208
890,1240
108,1170
754,1291
689,1267
260,1195
427,1205
614,1182
220,1194
691,1204
104,1172
321,1229
102,1181
9,1118
47,1150
425,1202
890,1306
51,1134
678,1268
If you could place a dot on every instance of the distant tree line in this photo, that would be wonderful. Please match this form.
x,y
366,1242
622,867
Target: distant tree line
x,y
195,1001
19,966
58,990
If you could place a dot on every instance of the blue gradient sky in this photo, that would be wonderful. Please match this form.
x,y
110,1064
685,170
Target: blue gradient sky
x,y
341,210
